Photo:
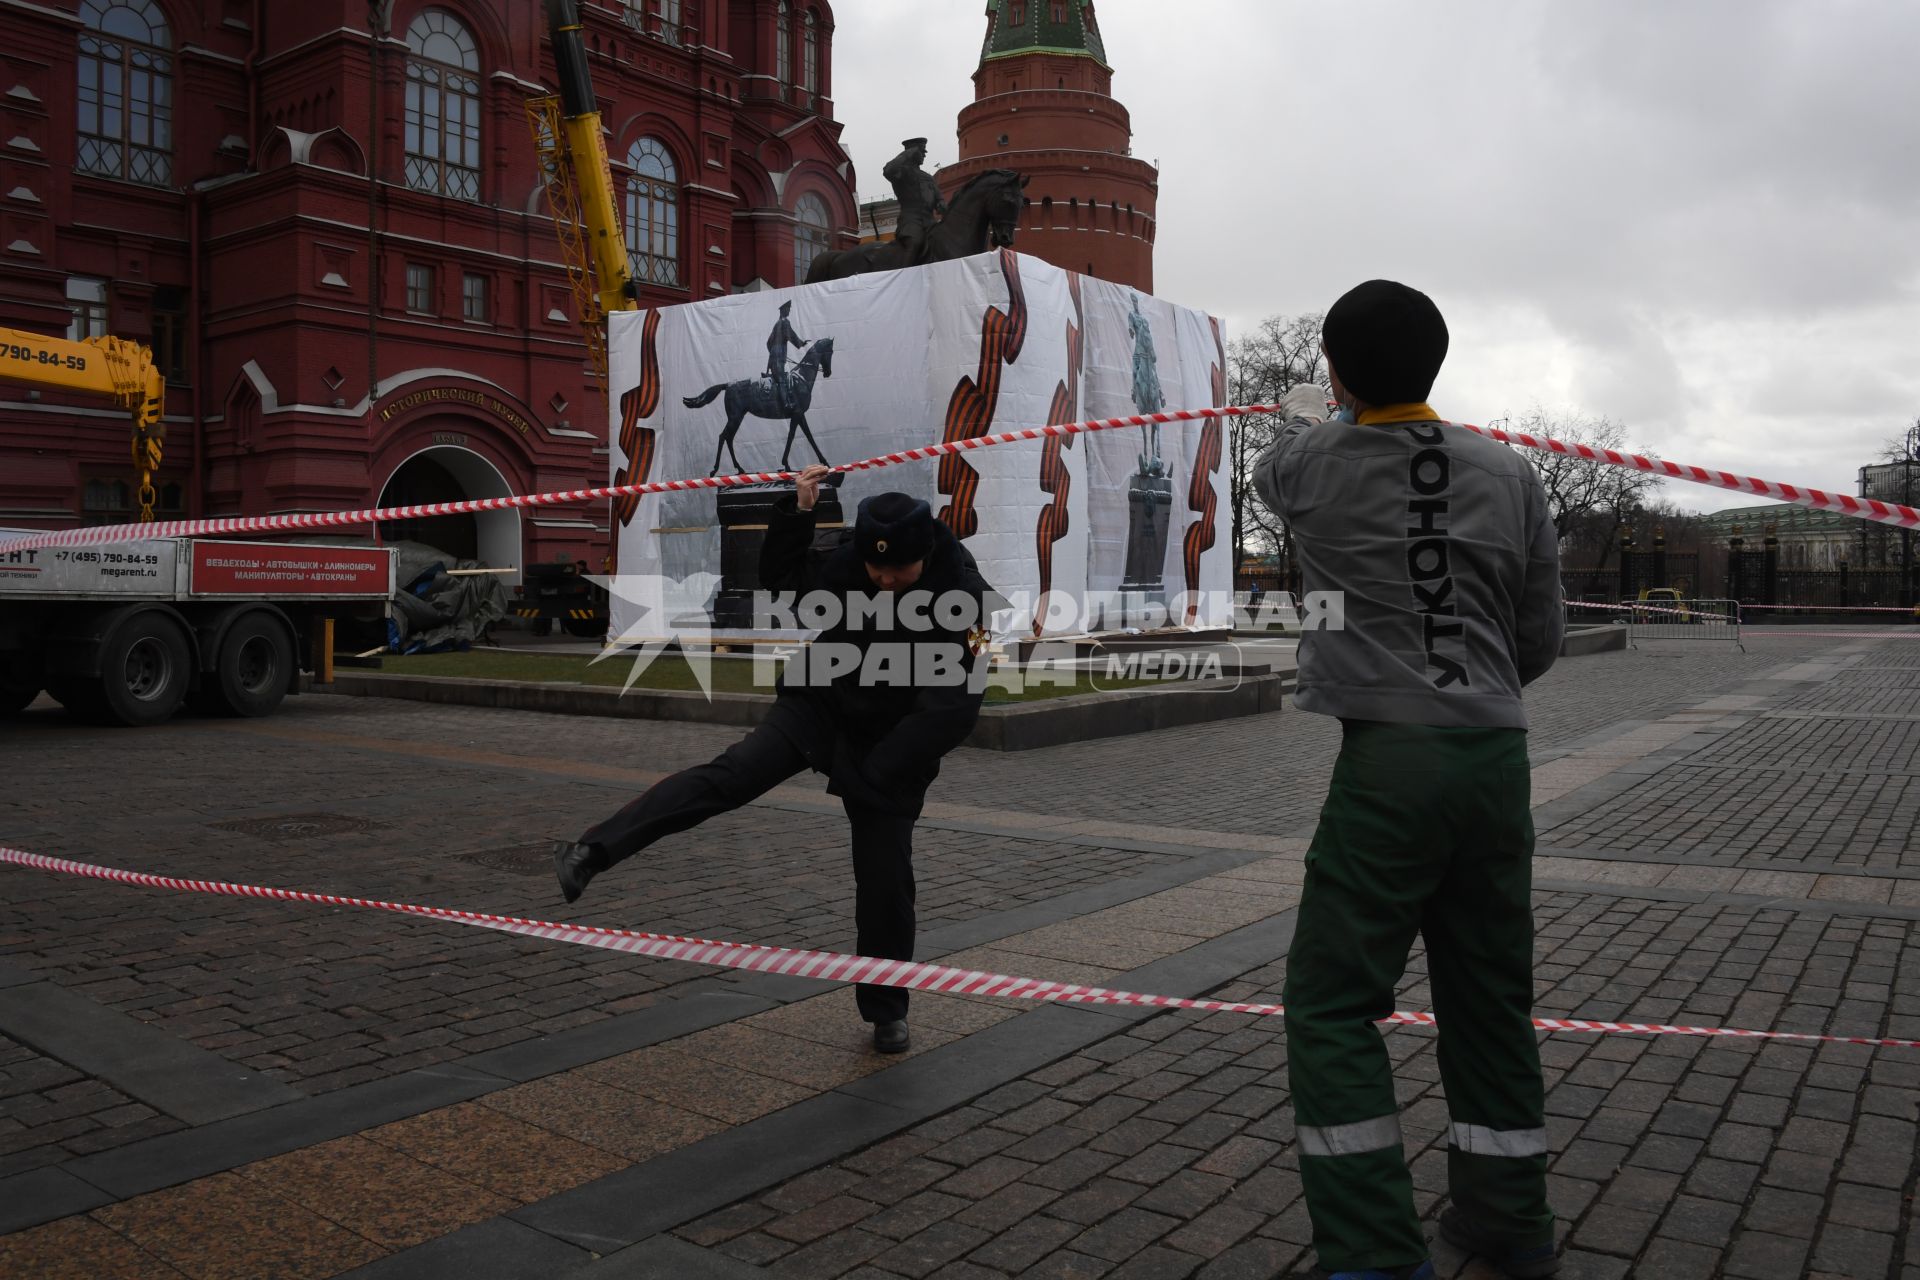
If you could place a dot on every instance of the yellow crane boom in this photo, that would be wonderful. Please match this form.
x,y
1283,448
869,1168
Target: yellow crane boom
x,y
573,157
113,368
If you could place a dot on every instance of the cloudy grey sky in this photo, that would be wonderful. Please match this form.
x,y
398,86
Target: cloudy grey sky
x,y
1700,218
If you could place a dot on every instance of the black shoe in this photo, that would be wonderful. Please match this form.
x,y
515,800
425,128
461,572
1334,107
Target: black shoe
x,y
890,1037
575,864
1522,1262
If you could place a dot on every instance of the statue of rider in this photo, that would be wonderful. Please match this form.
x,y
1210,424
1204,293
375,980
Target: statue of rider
x,y
777,355
1147,396
919,197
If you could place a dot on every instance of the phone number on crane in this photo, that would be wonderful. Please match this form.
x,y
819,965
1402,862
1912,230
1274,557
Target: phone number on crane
x,y
33,355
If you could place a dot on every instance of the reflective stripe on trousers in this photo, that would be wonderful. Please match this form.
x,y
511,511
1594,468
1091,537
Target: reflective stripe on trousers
x,y
1477,1139
1378,1134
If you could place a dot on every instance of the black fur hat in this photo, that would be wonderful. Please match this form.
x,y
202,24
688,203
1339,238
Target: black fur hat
x,y
894,528
1386,341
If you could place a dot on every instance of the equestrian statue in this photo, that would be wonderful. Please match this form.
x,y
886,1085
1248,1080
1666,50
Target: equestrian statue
x,y
774,395
983,214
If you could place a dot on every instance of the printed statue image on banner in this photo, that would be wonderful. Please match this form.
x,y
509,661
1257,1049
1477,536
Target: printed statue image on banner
x,y
1097,532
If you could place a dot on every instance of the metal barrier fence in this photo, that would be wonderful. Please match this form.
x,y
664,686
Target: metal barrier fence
x,y
1682,620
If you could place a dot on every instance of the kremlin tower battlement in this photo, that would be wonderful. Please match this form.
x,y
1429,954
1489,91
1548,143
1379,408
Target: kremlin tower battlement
x,y
1043,105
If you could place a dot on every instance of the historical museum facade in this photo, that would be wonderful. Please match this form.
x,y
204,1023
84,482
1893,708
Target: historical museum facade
x,y
194,175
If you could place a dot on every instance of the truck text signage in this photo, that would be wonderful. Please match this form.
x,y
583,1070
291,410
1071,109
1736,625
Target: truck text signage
x,y
241,568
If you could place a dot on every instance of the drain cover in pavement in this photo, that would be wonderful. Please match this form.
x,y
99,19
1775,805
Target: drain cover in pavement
x,y
297,826
514,859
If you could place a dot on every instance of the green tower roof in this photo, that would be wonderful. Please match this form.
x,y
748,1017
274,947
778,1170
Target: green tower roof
x,y
1042,26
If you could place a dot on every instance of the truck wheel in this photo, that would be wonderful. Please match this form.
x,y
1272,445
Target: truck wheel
x,y
542,626
585,628
144,670
252,670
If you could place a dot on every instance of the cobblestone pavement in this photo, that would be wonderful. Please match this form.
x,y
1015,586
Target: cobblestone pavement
x,y
215,1087
1169,1150
1831,777
332,999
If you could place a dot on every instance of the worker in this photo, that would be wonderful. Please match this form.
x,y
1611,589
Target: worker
x,y
1445,551
880,696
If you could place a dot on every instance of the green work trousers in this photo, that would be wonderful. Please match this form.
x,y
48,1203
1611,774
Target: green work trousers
x,y
1425,831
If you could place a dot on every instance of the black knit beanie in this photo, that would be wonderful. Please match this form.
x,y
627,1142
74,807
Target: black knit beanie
x,y
894,528
1386,342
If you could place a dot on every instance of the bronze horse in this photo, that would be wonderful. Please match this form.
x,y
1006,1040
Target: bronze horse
x,y
757,397
982,215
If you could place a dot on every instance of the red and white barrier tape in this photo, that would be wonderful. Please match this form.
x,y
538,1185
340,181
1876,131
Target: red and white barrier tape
x,y
828,966
338,519
1648,608
1845,503
1790,632
1864,508
1913,612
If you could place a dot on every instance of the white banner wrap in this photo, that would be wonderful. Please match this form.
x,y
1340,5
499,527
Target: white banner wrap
x,y
943,352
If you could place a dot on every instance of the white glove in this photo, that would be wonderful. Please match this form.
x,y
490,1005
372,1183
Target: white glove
x,y
1305,400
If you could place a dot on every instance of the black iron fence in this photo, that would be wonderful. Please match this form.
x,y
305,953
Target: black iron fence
x,y
1633,572
1841,588
1750,577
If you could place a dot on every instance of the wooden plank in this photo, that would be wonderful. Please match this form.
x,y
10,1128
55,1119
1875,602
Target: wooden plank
x,y
326,651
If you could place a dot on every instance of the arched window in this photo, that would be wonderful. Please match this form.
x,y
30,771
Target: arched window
x,y
783,44
653,213
126,91
443,107
810,237
809,53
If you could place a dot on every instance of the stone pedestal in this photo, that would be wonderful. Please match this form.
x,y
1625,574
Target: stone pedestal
x,y
1149,507
743,513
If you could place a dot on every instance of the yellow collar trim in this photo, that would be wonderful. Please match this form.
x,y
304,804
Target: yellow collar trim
x,y
1398,413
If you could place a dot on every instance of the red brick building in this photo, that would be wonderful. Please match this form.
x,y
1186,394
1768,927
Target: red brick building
x,y
193,174
1043,104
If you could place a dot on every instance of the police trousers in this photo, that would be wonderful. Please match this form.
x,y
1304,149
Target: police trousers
x,y
774,752
1427,832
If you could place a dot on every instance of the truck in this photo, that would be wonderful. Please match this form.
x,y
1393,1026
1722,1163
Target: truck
x,y
129,632
561,592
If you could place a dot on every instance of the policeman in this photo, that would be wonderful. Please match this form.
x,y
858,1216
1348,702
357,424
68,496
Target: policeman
x,y
882,693
1443,546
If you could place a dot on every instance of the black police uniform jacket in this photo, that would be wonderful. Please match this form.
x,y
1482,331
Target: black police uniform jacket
x,y
880,746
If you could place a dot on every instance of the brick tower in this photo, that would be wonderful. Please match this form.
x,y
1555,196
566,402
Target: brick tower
x,y
1043,105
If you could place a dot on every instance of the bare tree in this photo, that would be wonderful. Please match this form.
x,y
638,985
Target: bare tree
x,y
1282,352
1904,447
1256,530
1578,488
